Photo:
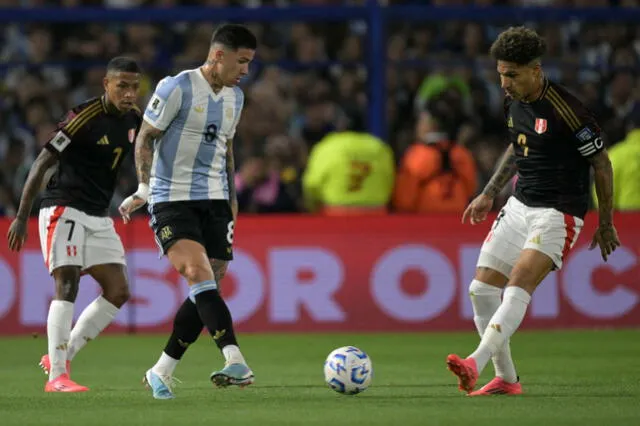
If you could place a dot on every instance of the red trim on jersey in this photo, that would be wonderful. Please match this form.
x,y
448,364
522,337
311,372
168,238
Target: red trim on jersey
x,y
570,226
51,229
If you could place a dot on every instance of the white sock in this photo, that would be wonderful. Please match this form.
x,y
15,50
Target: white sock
x,y
502,325
232,355
503,363
58,331
165,365
485,299
95,318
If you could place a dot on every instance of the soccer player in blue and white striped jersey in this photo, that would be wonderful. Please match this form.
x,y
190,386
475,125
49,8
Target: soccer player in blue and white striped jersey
x,y
185,167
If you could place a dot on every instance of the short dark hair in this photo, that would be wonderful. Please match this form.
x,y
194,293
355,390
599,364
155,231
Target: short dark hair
x,y
123,64
234,37
519,45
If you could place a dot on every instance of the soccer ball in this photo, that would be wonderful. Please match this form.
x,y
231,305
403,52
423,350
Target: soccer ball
x,y
348,370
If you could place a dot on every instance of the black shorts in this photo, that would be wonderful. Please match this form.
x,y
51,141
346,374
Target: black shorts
x,y
208,222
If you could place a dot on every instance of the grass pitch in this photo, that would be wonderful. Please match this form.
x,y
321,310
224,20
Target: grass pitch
x,y
570,378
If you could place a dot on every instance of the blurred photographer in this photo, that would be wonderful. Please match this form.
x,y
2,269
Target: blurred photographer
x,y
436,174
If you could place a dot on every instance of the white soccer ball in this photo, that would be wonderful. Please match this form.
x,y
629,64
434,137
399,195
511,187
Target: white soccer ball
x,y
348,370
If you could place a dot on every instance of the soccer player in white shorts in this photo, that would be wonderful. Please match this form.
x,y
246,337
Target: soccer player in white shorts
x,y
554,143
76,235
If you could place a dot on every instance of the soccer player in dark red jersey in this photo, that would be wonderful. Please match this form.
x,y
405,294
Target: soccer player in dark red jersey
x,y
76,235
554,143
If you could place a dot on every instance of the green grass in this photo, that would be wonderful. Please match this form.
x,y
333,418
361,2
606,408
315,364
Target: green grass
x,y
570,378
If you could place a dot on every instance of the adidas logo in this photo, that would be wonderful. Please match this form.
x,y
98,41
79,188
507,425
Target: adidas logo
x,y
510,122
103,140
219,334
536,240
199,109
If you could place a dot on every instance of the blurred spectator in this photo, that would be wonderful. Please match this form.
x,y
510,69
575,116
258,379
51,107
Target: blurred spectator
x,y
625,160
320,117
436,84
349,173
436,174
310,78
15,169
619,102
7,205
271,184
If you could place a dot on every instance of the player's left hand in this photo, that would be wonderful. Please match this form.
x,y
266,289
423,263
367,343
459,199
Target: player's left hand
x,y
17,234
133,202
607,238
478,209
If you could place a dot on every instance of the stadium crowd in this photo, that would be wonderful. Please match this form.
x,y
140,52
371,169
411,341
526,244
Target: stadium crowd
x,y
310,80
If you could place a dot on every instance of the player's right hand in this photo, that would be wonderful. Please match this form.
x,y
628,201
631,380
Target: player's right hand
x,y
606,237
17,234
478,209
133,202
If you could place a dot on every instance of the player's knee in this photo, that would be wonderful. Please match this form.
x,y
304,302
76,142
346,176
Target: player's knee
x,y
491,277
196,272
479,288
121,297
118,295
67,283
526,277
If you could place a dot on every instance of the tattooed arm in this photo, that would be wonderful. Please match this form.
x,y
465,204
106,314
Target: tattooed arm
x,y
143,158
144,151
605,236
231,179
481,205
503,174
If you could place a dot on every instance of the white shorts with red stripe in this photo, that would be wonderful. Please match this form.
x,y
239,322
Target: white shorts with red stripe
x,y
518,227
69,237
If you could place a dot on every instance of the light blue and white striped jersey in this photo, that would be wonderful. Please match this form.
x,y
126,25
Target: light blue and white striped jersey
x,y
189,161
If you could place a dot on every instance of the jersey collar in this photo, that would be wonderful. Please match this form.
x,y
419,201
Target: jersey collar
x,y
108,107
216,96
545,87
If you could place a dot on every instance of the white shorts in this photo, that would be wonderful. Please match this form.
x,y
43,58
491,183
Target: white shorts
x,y
520,227
69,237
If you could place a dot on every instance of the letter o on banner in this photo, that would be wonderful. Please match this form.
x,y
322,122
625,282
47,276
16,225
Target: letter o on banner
x,y
7,289
250,288
386,283
581,291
